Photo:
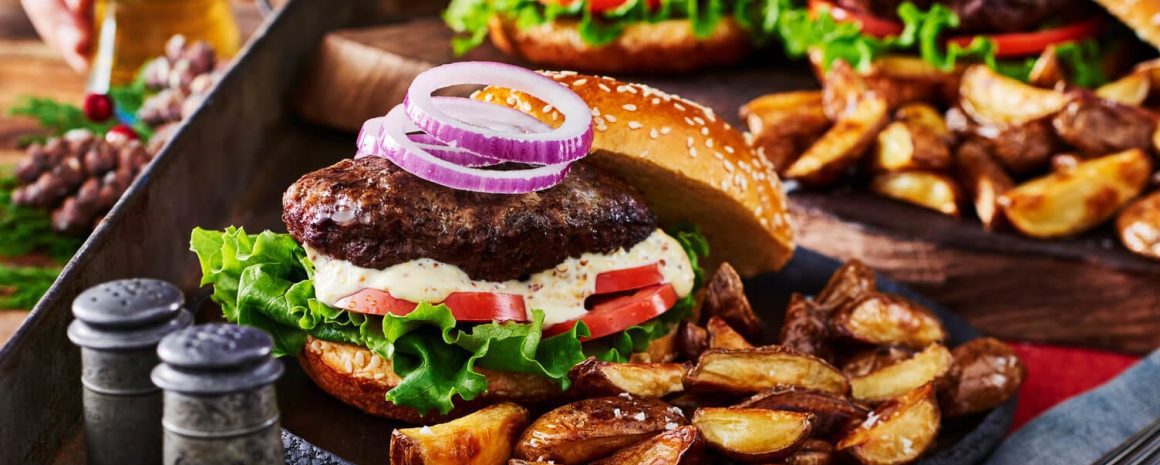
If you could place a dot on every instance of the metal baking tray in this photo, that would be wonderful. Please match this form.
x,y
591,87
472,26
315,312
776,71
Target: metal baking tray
x,y
228,165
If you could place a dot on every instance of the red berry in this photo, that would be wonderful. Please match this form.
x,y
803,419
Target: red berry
x,y
119,131
98,107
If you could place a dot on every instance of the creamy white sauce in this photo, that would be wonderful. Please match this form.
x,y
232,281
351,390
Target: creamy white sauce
x,y
559,291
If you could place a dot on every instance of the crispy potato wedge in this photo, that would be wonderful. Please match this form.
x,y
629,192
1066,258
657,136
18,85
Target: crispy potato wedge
x,y
1068,203
843,145
595,378
525,462
589,429
870,360
992,99
925,116
481,438
753,434
691,340
723,336
897,79
852,281
1046,72
925,189
725,298
1097,127
984,180
832,413
907,146
883,319
989,373
749,371
812,452
785,124
679,446
1132,89
806,327
933,365
1139,225
1022,148
896,432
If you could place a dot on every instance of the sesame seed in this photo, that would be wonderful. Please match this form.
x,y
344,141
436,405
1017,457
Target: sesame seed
x,y
511,101
634,125
729,148
603,87
610,118
630,89
709,143
620,88
566,73
644,153
546,109
488,98
693,152
704,131
555,116
728,166
595,111
699,120
601,128
689,141
666,130
656,100
718,156
598,120
724,184
689,121
629,107
679,106
653,133
579,82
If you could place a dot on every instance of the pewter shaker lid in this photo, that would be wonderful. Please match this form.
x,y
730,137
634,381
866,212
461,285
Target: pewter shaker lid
x,y
127,314
216,358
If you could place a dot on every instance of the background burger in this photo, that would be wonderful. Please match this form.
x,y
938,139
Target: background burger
x,y
613,36
403,297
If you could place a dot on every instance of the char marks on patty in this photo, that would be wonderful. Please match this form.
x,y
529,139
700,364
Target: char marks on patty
x,y
375,215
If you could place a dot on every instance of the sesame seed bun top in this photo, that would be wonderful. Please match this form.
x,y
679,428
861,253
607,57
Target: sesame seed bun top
x,y
691,165
1142,15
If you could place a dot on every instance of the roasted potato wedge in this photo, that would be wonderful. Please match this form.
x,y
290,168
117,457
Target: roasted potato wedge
x,y
691,340
481,438
992,99
1139,225
984,180
525,462
725,298
1046,72
1097,127
883,319
812,452
723,336
749,371
897,79
925,189
933,365
589,429
1068,203
753,434
785,124
907,146
596,378
896,432
925,116
989,373
679,446
1132,89
871,360
805,329
832,413
1023,148
852,281
843,145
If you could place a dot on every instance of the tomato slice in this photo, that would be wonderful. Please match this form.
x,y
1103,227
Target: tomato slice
x,y
600,6
468,307
870,25
610,282
622,312
1018,44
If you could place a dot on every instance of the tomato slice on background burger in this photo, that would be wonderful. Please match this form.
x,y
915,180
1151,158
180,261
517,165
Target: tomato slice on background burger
x,y
620,313
600,6
610,282
869,24
468,307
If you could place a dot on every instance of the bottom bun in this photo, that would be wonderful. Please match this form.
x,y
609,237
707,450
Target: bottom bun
x,y
361,379
645,48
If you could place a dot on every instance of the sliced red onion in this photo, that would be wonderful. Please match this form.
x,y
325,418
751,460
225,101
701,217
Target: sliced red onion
x,y
564,144
391,135
371,137
486,115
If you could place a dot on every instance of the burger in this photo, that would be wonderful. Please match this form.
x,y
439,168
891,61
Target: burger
x,y
613,36
1011,36
411,295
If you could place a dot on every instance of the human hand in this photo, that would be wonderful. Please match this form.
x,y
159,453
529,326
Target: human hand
x,y
66,25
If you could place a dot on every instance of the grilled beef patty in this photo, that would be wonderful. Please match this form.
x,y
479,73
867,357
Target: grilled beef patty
x,y
372,213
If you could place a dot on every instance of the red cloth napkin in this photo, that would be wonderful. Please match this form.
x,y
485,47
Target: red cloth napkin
x,y
1055,374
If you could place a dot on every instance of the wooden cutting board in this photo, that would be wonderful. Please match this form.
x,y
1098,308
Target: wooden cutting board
x,y
1084,291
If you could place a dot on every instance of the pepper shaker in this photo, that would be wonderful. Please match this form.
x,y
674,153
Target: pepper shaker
x,y
220,406
118,325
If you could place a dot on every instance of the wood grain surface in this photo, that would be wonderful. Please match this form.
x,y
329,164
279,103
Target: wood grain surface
x,y
1084,291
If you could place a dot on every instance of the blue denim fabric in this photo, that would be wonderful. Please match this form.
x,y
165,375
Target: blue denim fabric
x,y
1087,426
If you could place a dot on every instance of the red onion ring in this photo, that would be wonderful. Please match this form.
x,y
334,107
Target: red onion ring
x,y
566,143
371,136
397,146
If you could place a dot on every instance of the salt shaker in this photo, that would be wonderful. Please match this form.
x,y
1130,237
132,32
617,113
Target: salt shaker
x,y
118,325
220,406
